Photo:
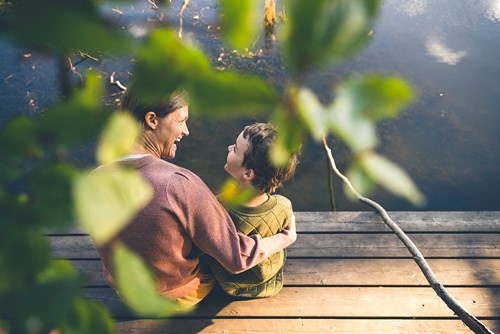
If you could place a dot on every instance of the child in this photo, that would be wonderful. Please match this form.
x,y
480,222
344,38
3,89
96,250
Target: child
x,y
248,161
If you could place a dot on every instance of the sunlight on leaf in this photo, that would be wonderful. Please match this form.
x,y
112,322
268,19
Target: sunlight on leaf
x,y
106,199
118,137
360,181
360,102
326,30
137,286
350,125
232,196
312,113
391,177
239,21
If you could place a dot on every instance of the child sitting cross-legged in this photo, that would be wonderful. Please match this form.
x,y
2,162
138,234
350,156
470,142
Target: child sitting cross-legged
x,y
248,161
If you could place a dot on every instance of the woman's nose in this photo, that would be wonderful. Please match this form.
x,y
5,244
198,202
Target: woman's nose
x,y
186,131
229,148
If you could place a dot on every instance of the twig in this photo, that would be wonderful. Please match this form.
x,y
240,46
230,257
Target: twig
x,y
470,320
184,6
116,82
330,186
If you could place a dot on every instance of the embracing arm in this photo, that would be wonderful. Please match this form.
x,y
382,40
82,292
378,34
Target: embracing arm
x,y
212,230
259,248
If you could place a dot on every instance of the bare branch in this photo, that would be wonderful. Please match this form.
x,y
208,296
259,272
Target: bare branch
x,y
470,320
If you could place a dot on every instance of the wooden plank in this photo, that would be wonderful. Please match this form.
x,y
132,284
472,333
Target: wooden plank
x,y
290,326
339,245
409,221
355,302
361,272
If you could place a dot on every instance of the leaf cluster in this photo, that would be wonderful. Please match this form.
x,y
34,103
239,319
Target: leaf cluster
x,y
41,190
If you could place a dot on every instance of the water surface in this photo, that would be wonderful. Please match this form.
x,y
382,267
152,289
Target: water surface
x,y
449,50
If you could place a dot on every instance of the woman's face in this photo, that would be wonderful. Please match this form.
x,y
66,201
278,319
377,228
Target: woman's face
x,y
235,155
170,130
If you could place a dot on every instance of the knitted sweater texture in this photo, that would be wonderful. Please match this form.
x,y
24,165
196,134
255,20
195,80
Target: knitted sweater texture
x,y
266,278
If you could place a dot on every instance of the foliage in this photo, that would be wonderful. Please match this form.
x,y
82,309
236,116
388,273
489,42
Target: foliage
x,y
36,180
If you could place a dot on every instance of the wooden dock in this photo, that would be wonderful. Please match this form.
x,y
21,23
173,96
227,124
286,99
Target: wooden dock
x,y
347,273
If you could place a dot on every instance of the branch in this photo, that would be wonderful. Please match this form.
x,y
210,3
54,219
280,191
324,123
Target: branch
x,y
470,320
116,82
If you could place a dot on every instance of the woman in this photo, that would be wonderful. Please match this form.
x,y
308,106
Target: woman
x,y
184,219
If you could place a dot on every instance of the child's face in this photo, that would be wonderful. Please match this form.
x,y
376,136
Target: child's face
x,y
235,157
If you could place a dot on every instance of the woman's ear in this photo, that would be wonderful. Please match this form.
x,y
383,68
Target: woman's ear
x,y
151,120
249,175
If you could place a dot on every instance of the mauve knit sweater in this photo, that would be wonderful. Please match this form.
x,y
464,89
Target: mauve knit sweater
x,y
183,220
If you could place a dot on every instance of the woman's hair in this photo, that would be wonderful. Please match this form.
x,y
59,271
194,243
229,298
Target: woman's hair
x,y
268,176
162,107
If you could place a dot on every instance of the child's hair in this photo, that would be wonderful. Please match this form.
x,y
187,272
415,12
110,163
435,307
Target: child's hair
x,y
268,176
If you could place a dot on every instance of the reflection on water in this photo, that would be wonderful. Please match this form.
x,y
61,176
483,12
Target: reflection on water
x,y
448,49
437,49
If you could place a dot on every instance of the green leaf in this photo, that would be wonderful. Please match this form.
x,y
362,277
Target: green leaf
x,y
391,177
349,124
167,64
231,195
360,181
379,97
61,25
239,24
106,199
24,252
18,143
326,30
137,286
87,317
312,113
51,189
76,120
230,94
291,133
360,102
118,137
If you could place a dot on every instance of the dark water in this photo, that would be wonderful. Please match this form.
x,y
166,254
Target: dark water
x,y
446,141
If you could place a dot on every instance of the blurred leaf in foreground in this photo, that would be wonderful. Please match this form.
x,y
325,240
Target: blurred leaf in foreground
x,y
238,21
360,101
167,64
60,25
312,113
118,137
232,196
391,177
106,199
291,134
136,285
323,31
76,120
